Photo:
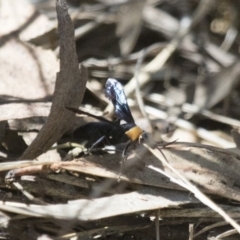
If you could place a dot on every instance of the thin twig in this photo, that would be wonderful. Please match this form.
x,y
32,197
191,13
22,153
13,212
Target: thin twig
x,y
157,227
138,94
227,234
157,63
27,194
218,224
182,181
191,229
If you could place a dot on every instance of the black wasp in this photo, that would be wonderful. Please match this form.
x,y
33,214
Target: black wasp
x,y
105,132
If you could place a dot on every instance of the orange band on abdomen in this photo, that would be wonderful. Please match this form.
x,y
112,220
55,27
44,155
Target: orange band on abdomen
x,y
134,133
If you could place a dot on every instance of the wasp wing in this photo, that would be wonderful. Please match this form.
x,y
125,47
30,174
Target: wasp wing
x,y
114,92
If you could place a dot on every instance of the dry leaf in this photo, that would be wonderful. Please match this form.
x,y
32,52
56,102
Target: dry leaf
x,y
29,74
212,169
20,17
12,111
87,210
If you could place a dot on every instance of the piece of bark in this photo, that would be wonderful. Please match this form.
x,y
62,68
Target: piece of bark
x,y
69,89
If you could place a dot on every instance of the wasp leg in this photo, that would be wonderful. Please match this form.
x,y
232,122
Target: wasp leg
x,y
95,144
124,157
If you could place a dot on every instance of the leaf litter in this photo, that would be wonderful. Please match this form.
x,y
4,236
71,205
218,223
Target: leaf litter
x,y
170,49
